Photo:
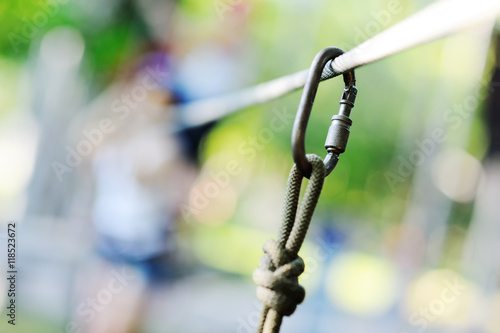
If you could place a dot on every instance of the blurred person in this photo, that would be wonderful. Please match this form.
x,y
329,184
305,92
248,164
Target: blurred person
x,y
142,173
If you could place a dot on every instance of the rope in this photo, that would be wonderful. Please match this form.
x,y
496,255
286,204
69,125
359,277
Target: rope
x,y
433,22
277,276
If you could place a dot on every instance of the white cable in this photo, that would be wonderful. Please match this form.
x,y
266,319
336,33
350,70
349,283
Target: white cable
x,y
203,111
435,21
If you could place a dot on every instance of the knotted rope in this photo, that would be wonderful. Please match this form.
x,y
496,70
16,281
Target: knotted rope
x,y
277,276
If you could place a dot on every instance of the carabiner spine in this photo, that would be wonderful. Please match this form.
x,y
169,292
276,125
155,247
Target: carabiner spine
x,y
322,59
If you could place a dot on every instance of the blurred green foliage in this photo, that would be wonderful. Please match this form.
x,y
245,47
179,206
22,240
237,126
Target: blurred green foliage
x,y
396,95
109,44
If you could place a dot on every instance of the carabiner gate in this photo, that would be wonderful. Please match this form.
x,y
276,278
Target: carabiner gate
x,y
338,133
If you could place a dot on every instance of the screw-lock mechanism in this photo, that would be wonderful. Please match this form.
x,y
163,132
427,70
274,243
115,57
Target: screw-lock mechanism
x,y
336,140
338,133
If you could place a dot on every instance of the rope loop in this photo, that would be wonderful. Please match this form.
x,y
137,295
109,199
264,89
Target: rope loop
x,y
277,276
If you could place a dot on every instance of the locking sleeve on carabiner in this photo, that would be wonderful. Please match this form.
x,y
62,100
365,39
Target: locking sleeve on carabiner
x,y
338,132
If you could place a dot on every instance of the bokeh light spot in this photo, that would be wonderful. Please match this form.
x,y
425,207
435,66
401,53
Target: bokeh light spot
x,y
456,173
441,298
362,284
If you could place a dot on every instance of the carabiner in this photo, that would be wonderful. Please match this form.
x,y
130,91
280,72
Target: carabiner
x,y
338,133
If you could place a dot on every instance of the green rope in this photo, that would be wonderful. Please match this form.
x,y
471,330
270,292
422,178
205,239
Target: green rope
x,y
277,276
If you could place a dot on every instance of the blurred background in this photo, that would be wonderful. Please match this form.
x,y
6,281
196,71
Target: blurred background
x,y
126,223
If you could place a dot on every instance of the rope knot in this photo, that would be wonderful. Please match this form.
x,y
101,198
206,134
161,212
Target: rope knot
x,y
277,278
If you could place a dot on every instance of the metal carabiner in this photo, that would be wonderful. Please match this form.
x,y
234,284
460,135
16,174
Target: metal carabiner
x,y
338,133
